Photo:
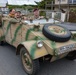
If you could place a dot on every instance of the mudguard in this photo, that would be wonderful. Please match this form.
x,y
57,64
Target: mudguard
x,y
33,50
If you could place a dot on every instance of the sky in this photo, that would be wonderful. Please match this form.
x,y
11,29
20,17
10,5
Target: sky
x,y
4,1
19,2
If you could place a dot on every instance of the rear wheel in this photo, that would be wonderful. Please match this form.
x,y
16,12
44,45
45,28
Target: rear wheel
x,y
71,55
30,66
1,43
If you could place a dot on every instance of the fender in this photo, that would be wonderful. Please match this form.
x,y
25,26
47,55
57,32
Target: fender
x,y
33,50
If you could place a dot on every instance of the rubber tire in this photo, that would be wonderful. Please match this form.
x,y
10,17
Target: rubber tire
x,y
54,37
36,65
71,55
2,43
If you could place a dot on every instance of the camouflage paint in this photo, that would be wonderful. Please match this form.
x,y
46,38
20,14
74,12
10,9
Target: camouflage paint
x,y
73,37
53,45
33,49
2,37
3,23
28,32
39,38
8,27
63,30
15,34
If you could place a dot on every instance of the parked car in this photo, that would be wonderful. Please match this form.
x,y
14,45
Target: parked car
x,y
38,39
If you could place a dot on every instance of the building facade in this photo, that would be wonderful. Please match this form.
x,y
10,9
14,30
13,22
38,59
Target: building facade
x,y
65,4
61,2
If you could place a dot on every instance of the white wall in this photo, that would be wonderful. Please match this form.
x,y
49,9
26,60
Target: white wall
x,y
61,1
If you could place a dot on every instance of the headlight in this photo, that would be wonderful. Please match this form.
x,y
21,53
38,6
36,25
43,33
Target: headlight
x,y
39,43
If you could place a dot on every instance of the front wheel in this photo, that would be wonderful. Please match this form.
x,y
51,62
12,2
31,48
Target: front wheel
x,y
30,66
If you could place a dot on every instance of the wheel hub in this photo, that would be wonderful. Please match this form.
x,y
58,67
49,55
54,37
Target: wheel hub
x,y
57,30
27,61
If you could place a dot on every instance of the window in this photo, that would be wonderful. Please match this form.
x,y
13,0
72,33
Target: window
x,y
74,1
63,0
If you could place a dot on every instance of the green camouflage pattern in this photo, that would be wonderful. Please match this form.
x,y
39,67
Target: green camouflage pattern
x,y
16,33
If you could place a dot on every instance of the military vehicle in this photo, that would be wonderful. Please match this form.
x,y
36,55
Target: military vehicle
x,y
39,40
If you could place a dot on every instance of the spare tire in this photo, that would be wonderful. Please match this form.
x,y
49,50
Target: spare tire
x,y
56,33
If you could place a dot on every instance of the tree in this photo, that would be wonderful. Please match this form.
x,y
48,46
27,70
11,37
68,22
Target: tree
x,y
41,5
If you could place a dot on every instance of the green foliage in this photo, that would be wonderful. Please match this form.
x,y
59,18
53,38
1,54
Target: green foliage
x,y
16,6
42,13
41,5
73,10
72,16
29,7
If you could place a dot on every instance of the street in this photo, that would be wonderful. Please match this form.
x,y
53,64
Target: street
x,y
10,64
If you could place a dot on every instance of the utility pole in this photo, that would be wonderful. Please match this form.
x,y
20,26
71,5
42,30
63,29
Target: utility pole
x,y
59,4
68,11
52,6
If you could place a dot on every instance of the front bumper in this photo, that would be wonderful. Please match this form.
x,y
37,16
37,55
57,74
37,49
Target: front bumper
x,y
67,48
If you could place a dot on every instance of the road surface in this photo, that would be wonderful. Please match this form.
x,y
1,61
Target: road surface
x,y
10,64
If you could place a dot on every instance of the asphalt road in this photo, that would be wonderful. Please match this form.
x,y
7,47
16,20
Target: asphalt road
x,y
10,64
